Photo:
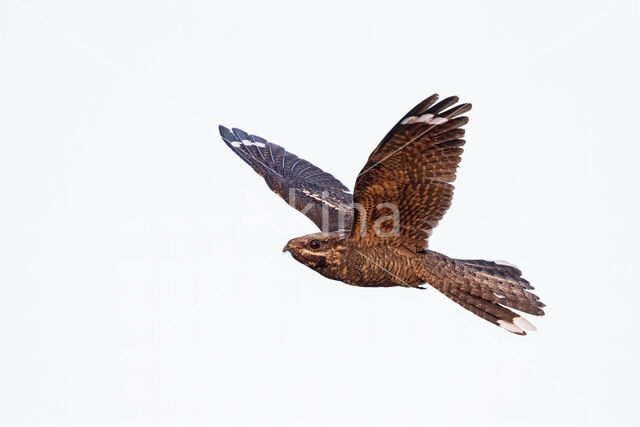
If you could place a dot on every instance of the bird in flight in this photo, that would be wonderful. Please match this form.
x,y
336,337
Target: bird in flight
x,y
377,236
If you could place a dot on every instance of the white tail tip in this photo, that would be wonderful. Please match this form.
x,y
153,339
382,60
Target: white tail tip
x,y
523,323
510,327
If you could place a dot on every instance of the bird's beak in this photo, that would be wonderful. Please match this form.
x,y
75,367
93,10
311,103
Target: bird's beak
x,y
286,248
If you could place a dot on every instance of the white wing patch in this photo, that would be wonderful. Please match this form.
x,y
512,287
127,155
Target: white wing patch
x,y
320,198
247,143
425,118
438,121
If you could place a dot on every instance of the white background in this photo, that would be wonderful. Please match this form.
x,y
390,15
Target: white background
x,y
141,274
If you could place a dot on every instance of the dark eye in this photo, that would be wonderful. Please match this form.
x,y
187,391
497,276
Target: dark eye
x,y
314,244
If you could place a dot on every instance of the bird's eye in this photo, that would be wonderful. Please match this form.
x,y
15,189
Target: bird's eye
x,y
314,244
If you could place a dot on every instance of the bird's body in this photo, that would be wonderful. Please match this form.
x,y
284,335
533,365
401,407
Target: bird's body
x,y
339,258
377,237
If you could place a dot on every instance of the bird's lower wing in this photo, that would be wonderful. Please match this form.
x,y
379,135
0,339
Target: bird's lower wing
x,y
317,194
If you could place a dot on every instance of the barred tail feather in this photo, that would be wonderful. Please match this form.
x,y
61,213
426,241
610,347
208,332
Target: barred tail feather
x,y
486,288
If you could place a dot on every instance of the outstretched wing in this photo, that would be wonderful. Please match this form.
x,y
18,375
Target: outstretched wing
x,y
405,187
315,193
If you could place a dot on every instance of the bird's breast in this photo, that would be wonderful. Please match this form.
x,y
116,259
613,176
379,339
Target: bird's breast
x,y
380,267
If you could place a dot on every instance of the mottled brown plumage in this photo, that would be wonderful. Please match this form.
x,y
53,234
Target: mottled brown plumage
x,y
378,236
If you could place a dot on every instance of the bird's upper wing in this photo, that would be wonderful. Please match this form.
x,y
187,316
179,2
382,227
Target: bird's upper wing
x,y
315,193
405,187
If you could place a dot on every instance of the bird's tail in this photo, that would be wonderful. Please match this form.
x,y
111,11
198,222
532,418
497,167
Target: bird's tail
x,y
486,288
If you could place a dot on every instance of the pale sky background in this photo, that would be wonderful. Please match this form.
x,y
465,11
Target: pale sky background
x,y
141,274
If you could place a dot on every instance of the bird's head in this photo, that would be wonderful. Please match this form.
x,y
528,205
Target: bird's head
x,y
319,251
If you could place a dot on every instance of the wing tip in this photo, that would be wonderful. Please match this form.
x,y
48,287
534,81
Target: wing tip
x,y
240,134
226,134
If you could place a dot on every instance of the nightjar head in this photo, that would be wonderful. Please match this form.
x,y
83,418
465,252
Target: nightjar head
x,y
319,251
